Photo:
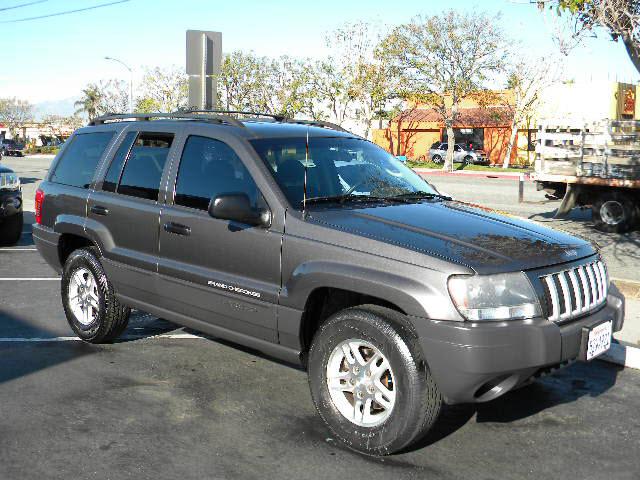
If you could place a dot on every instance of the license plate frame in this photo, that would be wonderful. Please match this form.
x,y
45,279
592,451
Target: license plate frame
x,y
596,340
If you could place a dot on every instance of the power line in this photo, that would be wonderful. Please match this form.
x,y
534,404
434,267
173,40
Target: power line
x,y
67,12
21,5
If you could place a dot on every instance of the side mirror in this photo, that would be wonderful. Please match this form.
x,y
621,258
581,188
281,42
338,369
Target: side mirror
x,y
237,207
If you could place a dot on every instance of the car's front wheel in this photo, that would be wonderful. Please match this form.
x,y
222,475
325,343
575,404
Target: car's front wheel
x,y
370,382
437,159
89,302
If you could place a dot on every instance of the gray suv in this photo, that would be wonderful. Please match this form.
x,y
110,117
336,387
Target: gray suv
x,y
319,248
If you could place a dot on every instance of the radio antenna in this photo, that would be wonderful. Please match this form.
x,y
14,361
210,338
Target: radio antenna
x,y
304,187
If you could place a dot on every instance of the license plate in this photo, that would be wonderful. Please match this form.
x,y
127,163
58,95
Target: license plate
x,y
599,339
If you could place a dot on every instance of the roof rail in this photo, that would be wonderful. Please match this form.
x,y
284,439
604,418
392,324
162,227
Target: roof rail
x,y
116,117
318,123
275,117
218,116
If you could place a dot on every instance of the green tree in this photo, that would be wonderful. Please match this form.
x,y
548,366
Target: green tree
x,y
90,101
621,18
163,90
444,59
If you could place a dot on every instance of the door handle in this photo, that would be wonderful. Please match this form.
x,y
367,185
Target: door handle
x,y
177,228
99,210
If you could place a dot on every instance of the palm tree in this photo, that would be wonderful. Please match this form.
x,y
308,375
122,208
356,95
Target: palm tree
x,y
90,101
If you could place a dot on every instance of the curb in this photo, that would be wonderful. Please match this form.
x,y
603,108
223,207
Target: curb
x,y
624,355
471,173
629,288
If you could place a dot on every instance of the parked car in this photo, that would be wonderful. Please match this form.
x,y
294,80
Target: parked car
x,y
10,206
12,148
461,154
319,248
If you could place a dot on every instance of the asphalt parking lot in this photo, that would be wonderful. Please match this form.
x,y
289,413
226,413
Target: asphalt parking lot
x,y
166,403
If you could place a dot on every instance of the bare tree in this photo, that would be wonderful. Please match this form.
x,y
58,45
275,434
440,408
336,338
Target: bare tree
x,y
444,59
14,113
527,80
620,17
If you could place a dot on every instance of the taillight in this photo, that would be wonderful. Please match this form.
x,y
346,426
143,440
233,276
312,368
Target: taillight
x,y
39,202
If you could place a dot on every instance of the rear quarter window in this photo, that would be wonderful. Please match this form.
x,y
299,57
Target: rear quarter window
x,y
79,161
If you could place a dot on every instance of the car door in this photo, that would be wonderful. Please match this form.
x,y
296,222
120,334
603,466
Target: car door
x,y
123,211
217,271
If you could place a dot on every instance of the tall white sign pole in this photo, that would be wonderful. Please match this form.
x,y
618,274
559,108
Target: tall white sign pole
x,y
204,58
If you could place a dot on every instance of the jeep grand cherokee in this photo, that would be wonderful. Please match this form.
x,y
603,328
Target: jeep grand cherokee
x,y
319,248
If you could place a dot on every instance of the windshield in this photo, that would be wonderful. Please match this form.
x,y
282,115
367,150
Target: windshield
x,y
337,167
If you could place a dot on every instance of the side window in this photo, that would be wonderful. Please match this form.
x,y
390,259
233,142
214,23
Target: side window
x,y
444,146
457,148
80,160
115,169
209,168
143,169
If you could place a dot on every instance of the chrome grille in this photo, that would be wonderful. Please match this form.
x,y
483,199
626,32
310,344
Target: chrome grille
x,y
574,292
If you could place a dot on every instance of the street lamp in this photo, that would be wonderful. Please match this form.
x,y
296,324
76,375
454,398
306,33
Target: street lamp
x,y
130,80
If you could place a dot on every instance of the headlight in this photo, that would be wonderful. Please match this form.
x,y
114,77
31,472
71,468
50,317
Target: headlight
x,y
9,181
506,296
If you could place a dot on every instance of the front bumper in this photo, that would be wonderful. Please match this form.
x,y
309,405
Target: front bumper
x,y
10,203
477,362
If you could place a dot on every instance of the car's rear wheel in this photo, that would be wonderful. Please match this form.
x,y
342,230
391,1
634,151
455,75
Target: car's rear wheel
x,y
11,229
370,382
468,160
614,212
91,308
437,159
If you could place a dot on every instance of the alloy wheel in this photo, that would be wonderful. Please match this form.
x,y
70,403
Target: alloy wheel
x,y
361,383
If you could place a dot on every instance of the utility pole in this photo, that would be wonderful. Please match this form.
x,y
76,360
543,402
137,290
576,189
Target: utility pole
x,y
204,59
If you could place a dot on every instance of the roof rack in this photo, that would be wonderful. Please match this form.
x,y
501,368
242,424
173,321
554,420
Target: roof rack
x,y
275,117
217,116
119,117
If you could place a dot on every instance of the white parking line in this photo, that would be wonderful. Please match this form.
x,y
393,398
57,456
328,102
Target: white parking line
x,y
32,279
180,336
9,249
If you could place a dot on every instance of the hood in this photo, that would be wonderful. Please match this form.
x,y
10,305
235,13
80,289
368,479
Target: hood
x,y
4,169
457,232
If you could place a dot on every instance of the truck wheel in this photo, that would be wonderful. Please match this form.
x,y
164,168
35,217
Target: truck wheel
x,y
88,299
614,212
369,380
11,229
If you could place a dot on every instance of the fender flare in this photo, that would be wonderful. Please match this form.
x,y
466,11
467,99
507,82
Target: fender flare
x,y
409,295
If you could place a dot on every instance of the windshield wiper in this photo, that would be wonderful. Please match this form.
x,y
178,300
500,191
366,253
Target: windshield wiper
x,y
419,195
346,198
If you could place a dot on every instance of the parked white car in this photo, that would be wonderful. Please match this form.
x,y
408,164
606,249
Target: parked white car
x,y
438,153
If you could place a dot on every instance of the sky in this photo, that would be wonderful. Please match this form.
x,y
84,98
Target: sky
x,y
51,59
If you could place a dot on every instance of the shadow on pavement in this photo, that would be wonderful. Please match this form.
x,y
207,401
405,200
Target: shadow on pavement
x,y
20,359
562,387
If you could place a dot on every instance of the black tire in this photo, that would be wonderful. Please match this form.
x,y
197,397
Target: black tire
x,y
112,317
437,159
468,160
418,401
11,229
614,212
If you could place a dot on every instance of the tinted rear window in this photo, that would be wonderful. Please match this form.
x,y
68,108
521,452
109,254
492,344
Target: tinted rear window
x,y
143,170
113,174
80,159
